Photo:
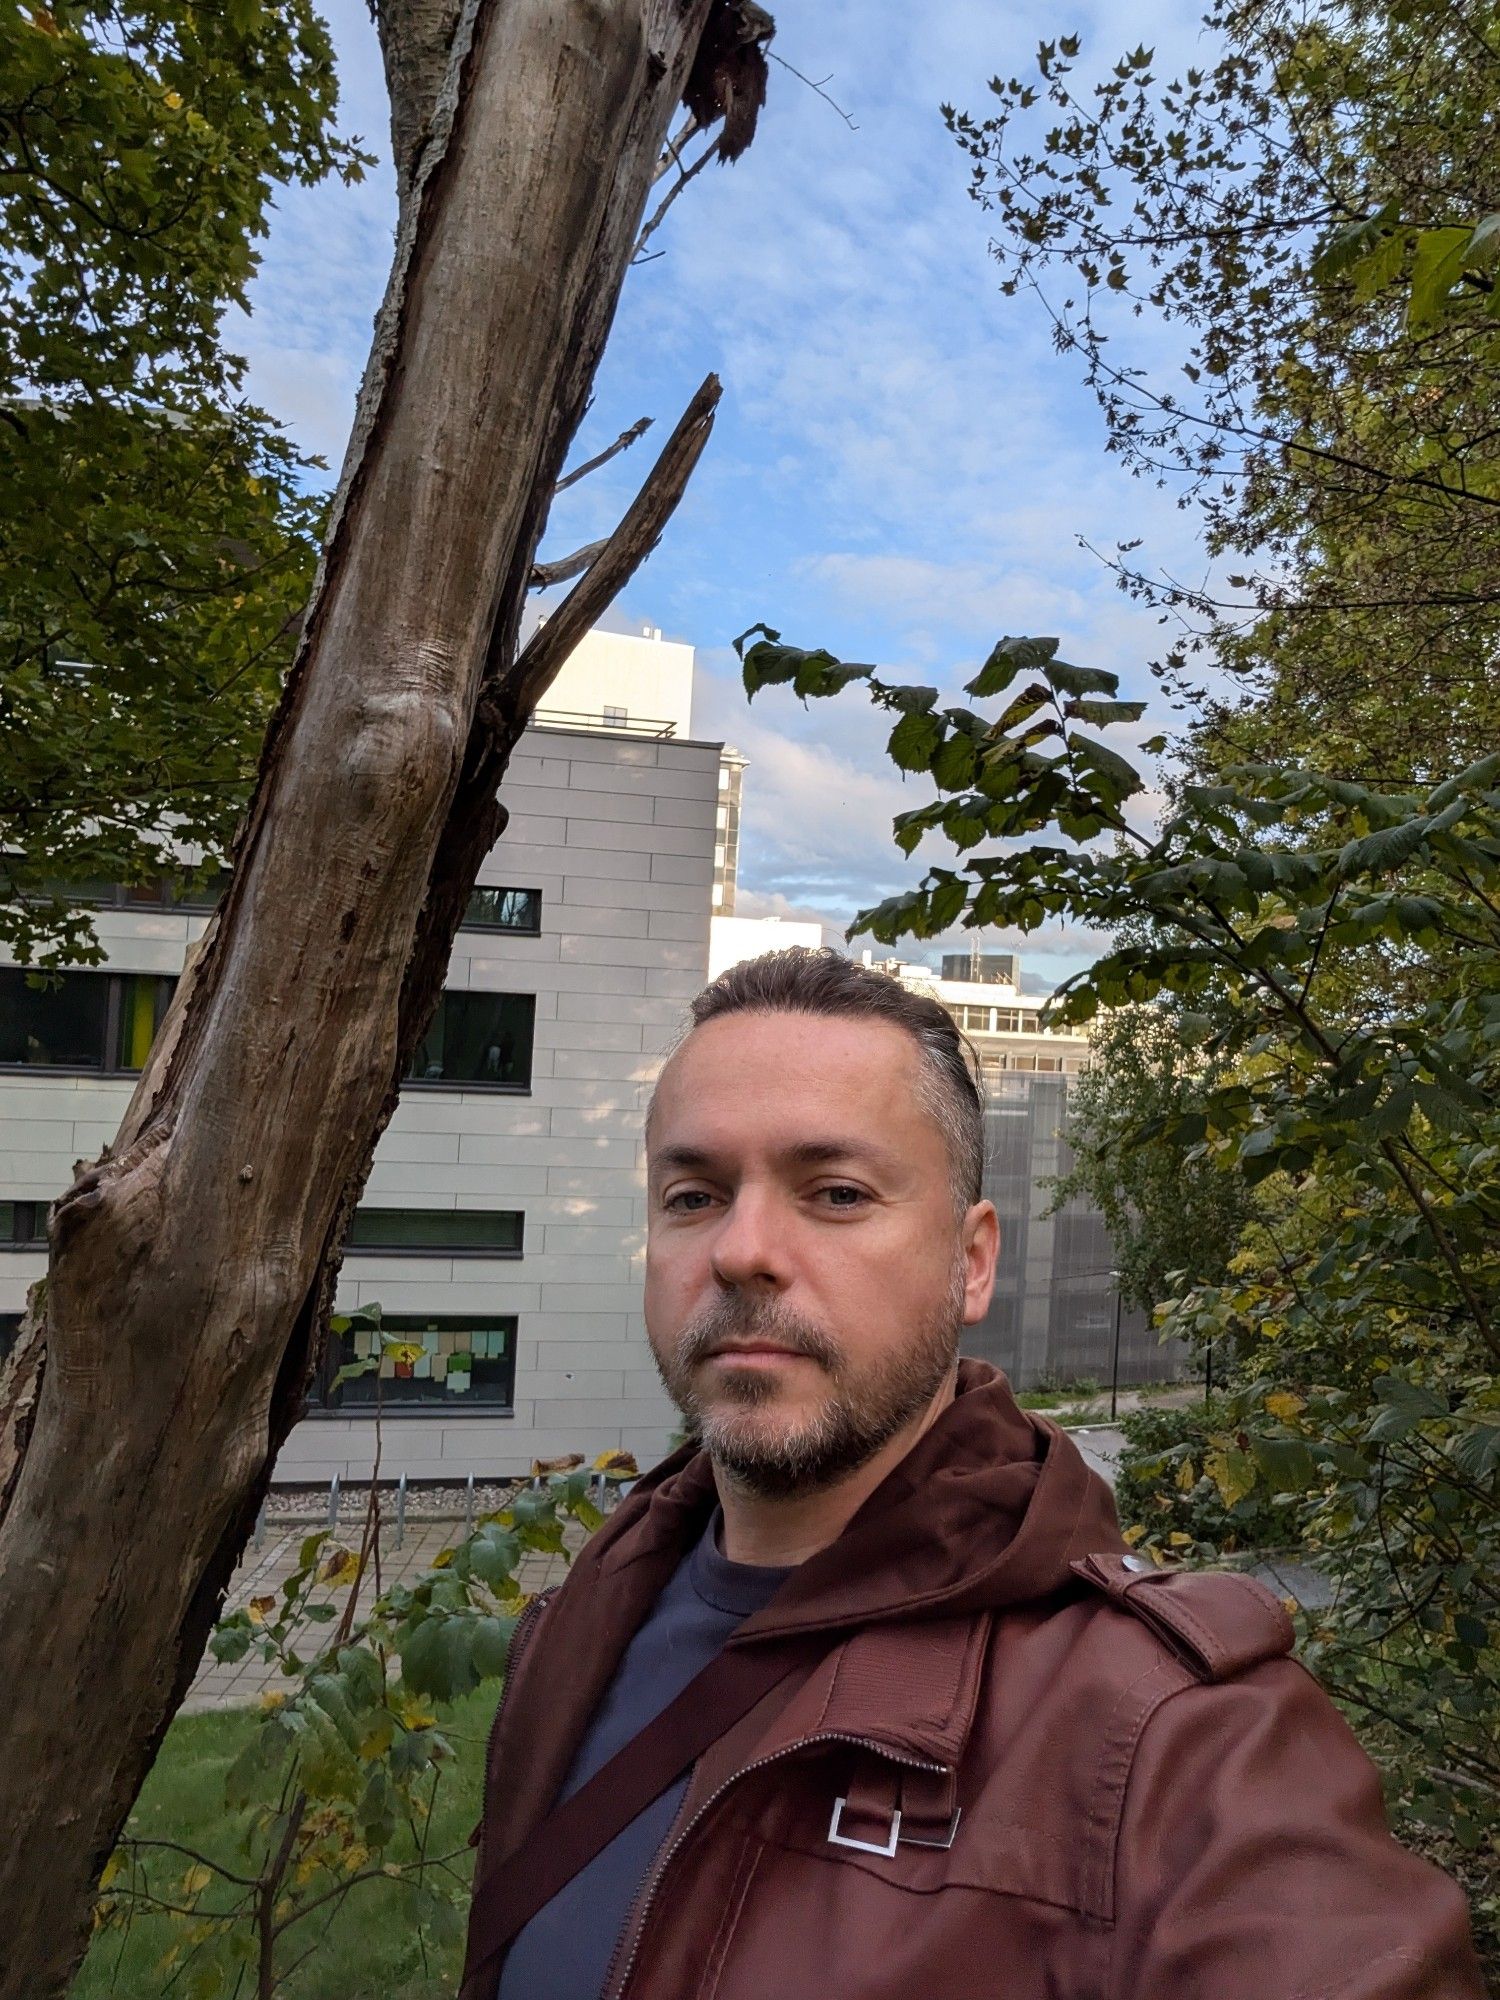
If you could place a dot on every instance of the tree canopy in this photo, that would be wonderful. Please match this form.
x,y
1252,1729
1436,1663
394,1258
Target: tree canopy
x,y
1307,217
158,534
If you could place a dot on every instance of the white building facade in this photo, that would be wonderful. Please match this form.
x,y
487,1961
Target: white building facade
x,y
502,1230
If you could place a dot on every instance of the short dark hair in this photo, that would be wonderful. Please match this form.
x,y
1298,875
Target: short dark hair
x,y
801,980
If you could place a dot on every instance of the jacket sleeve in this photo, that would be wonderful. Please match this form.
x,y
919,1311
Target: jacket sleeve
x,y
1254,1861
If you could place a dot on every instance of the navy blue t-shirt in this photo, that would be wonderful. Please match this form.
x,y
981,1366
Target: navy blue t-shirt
x,y
564,1953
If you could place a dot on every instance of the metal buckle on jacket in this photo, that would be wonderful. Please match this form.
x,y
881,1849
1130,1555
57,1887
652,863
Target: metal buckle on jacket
x,y
893,1839
887,1847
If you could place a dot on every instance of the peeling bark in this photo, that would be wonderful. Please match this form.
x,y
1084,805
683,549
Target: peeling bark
x,y
192,1267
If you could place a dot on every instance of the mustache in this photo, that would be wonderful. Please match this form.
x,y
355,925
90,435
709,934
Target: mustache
x,y
738,1318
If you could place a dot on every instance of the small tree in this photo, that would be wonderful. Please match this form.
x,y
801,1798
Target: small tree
x,y
1172,1219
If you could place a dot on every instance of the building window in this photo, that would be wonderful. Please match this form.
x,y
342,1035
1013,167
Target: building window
x,y
615,718
479,1039
449,1232
23,1225
425,1362
505,910
80,1020
193,890
10,1326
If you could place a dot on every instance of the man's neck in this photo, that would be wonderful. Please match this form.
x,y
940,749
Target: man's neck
x,y
781,1531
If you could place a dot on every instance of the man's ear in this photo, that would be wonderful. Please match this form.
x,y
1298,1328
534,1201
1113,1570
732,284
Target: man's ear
x,y
981,1244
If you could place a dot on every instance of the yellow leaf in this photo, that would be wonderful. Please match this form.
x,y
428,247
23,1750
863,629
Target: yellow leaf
x,y
196,1879
257,1608
1180,1541
172,99
273,1698
1187,1476
1283,1404
355,1858
1133,1533
114,1868
621,1463
1233,1473
339,1566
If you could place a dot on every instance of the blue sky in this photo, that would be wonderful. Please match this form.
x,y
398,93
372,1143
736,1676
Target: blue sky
x,y
902,468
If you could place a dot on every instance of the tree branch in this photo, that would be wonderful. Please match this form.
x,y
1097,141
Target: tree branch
x,y
710,152
545,574
620,557
622,443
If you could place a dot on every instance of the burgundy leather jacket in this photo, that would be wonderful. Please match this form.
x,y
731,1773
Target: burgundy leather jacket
x,y
1024,1767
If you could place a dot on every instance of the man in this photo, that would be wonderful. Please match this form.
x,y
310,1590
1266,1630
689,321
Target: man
x,y
993,1754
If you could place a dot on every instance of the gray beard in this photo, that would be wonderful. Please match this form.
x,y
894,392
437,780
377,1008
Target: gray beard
x,y
864,1411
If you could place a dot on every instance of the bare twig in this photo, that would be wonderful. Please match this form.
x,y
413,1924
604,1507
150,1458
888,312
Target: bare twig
x,y
710,152
671,155
815,86
622,555
622,443
545,574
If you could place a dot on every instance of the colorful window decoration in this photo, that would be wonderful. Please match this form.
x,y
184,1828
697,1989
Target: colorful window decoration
x,y
434,1363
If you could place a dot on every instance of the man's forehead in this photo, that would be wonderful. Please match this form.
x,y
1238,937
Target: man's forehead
x,y
781,1072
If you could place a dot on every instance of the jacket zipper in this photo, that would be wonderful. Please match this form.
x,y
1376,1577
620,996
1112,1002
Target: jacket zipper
x,y
618,1978
525,1626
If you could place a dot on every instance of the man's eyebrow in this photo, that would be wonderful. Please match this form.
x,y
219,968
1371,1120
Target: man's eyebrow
x,y
805,1153
687,1159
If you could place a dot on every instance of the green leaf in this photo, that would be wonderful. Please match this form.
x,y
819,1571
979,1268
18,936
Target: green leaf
x,y
1087,680
1437,266
1286,1464
1009,658
914,739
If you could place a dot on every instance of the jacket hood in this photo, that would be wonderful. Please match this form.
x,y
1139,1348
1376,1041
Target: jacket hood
x,y
987,1510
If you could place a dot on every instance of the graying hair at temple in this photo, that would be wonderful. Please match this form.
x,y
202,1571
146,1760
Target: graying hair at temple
x,y
823,982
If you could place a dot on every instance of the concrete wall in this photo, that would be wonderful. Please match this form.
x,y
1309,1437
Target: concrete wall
x,y
618,835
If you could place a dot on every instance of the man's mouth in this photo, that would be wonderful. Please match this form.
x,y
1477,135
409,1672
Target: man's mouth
x,y
754,1351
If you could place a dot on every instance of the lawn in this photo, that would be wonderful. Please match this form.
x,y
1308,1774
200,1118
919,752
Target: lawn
x,y
370,1947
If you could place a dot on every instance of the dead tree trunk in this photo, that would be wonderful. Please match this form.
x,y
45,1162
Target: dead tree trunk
x,y
191,1269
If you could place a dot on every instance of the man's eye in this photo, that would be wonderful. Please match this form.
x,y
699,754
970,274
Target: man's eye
x,y
844,1197
690,1201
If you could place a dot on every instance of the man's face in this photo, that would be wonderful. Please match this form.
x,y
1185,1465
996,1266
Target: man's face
x,y
807,1271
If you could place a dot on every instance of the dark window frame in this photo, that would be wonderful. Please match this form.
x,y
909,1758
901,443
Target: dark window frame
x,y
531,929
167,894
353,1249
443,1409
112,1022
35,1217
410,1082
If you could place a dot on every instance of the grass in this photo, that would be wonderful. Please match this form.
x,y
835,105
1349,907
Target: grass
x,y
370,1947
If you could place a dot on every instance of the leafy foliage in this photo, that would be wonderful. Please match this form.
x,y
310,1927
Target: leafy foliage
x,y
1171,1219
344,1768
156,536
1179,1490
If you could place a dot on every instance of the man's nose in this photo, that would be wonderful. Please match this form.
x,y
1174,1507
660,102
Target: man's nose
x,y
749,1247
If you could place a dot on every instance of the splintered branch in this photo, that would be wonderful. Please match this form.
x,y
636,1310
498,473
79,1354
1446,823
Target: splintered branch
x,y
622,443
621,554
545,574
